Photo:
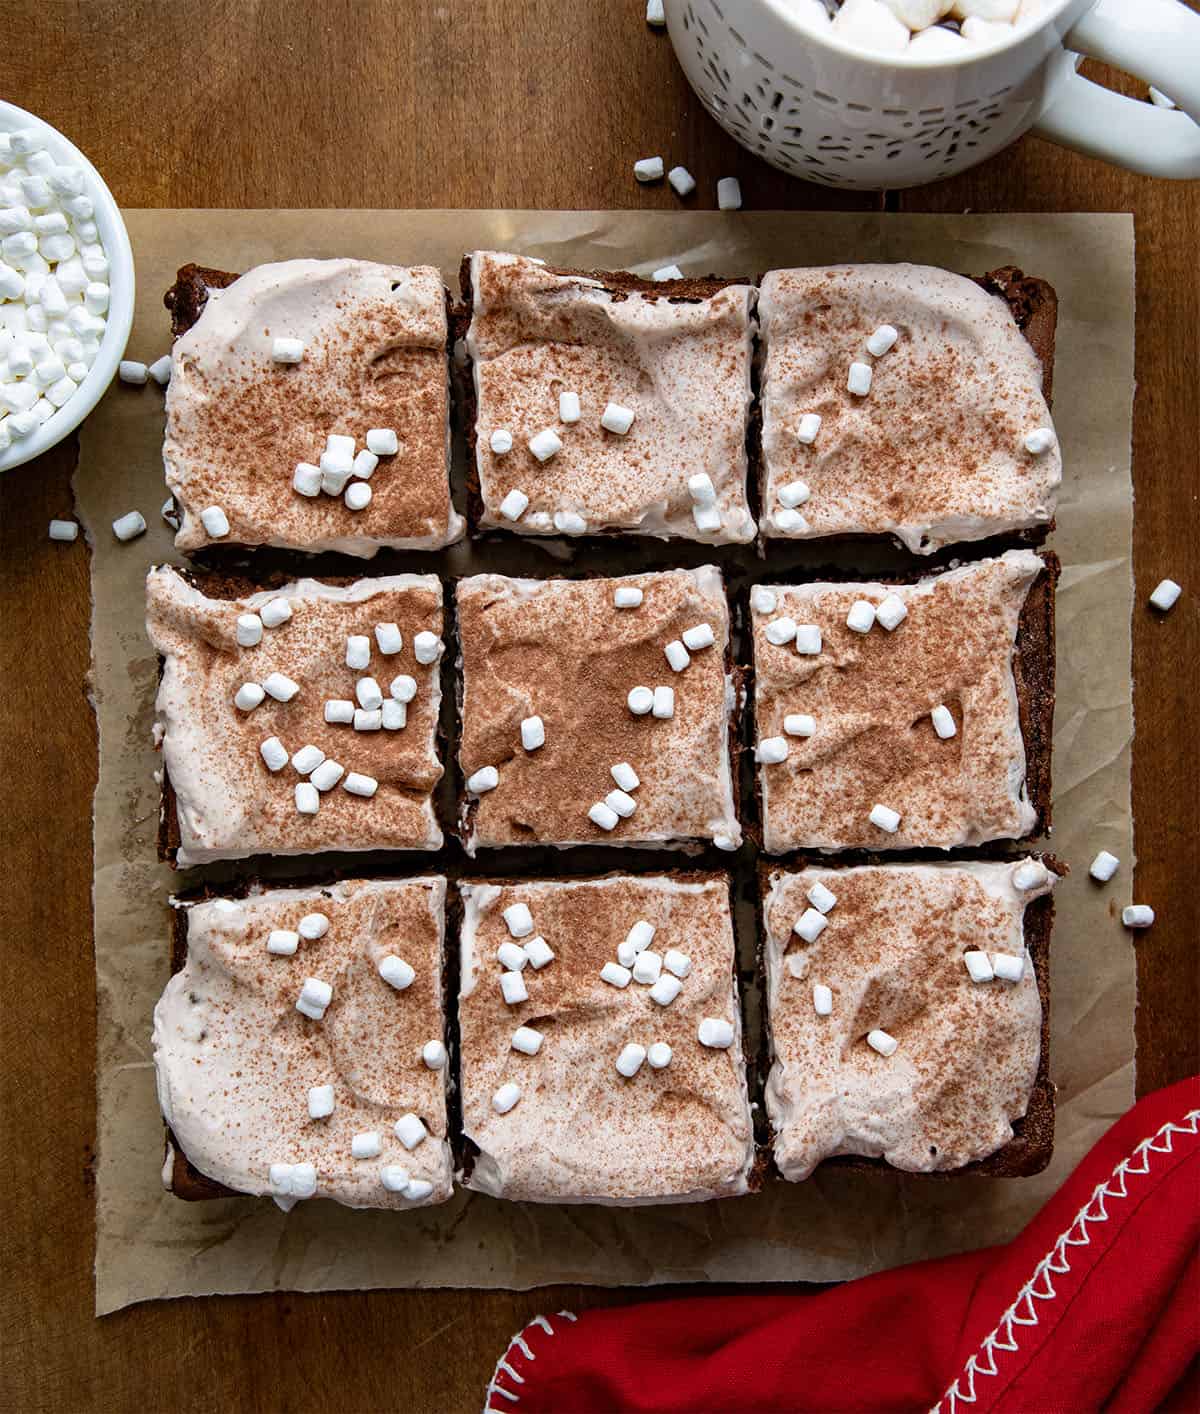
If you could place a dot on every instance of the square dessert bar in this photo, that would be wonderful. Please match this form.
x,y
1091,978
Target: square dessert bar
x,y
299,1046
908,1010
601,1041
606,402
597,711
907,401
296,719
277,377
894,716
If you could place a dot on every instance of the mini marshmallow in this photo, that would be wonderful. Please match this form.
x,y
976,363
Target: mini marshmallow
x,y
481,781
281,687
340,447
501,441
382,442
358,784
397,973
539,953
659,1055
1165,594
622,804
63,530
389,638
433,1053
410,1131
799,724
861,617
795,493
304,1180
160,370
358,651
1104,866
822,999
699,637
526,1040
667,272
625,776
366,1145
883,817
96,296
665,989
505,1098
427,648
126,527
315,996
357,496
603,816
418,1189
892,612
339,711
781,631
393,715
287,350
640,936
130,371
707,518
1007,967
647,967
335,472
308,799
883,339
313,926
716,1033
533,733
368,721
979,969
283,942
664,703
682,181
1032,874
1137,915
943,722
771,750
616,418
615,975
629,1062
677,655
648,169
883,1043
729,194
273,753
307,759
545,444
821,898
519,921
858,380
701,489
249,630
512,987
403,687
1039,441
569,523
320,1102
394,1178
677,963
327,775
306,479
215,522
364,466
568,407
369,694
627,596
810,925
640,700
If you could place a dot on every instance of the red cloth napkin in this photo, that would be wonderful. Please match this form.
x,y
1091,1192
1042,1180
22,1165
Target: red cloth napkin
x,y
1096,1305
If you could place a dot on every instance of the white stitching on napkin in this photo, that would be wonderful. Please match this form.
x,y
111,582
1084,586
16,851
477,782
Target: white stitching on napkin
x,y
518,1342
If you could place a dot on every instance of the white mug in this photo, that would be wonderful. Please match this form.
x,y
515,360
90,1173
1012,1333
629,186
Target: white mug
x,y
815,107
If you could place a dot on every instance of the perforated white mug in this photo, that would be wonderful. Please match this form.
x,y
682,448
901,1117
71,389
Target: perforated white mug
x,y
815,107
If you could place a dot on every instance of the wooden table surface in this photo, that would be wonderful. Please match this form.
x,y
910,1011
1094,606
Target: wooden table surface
x,y
464,103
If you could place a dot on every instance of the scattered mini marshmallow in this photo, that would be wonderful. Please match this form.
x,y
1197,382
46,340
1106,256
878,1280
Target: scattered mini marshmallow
x,y
629,1062
658,1056
569,409
427,647
410,1130
677,655
369,694
625,776
620,803
794,494
327,775
667,272
287,350
383,441
1104,866
283,942
418,1189
366,1145
648,169
707,518
545,444
883,339
943,722
1031,874
771,750
249,630
274,753
526,1040
511,956
1165,594
701,636
799,724
365,464
358,651
729,194
1137,915
129,370
403,687
666,989
538,953
396,972
506,1097
501,442
518,920
858,380
647,967
368,721
356,783
320,1101
275,612
339,711
677,963
883,817
126,527
533,733
248,696
394,715
664,704
433,1053
808,639
716,1033
313,926
315,996
640,700
1007,967
616,418
281,687
861,617
883,1043
978,967
682,181
388,638
357,496
394,1178
604,816
307,479
570,523
512,988
654,13
64,530
616,975
481,781
627,596
810,925
1039,441
892,612
307,759
781,631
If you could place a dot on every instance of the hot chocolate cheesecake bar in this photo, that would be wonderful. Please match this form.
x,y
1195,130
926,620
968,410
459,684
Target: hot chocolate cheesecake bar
x,y
907,401
908,1009
597,711
308,407
299,1047
892,716
297,719
602,1041
605,402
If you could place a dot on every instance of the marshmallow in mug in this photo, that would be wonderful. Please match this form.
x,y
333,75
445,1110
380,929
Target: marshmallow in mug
x,y
924,28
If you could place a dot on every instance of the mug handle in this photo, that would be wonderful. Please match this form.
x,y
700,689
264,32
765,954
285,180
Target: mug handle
x,y
1159,41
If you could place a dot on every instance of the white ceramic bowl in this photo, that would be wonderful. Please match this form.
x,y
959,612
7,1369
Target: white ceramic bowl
x,y
115,239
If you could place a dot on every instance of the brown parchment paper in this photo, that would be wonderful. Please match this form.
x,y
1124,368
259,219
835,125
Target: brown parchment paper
x,y
150,1244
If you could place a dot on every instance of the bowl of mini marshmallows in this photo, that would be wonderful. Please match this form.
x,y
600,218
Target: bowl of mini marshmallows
x,y
66,286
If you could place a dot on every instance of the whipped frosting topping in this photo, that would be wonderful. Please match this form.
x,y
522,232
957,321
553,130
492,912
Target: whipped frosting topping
x,y
580,1130
238,423
681,365
871,696
235,1060
891,954
934,453
561,650
229,805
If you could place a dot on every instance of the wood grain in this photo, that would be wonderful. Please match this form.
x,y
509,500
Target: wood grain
x,y
464,103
